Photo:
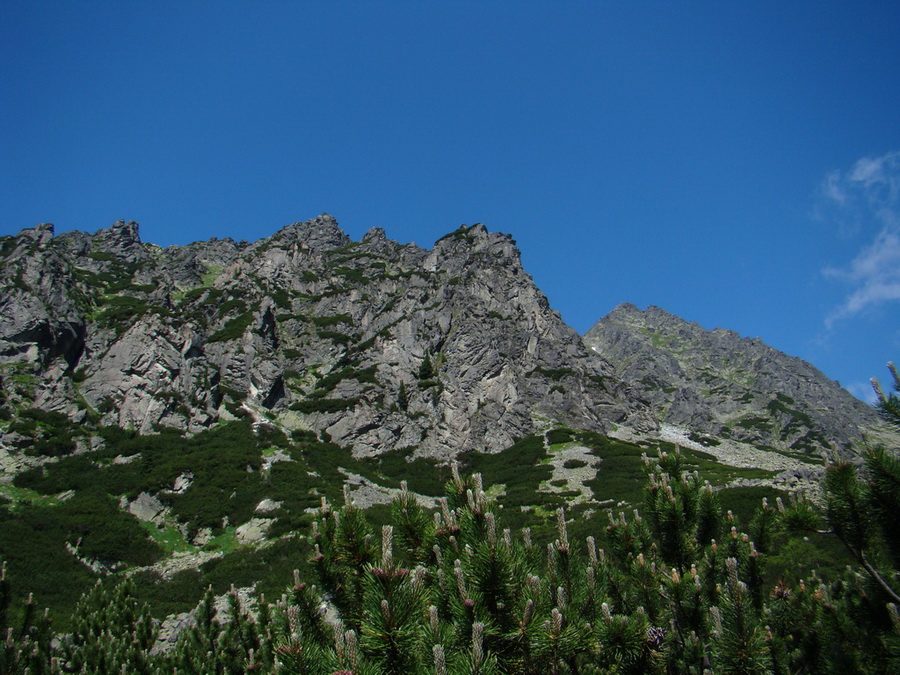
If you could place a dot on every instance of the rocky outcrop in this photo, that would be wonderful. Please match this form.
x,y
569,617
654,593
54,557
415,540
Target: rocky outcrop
x,y
373,344
39,319
148,508
718,383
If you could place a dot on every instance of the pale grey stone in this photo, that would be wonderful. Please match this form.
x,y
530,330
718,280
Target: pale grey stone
x,y
711,381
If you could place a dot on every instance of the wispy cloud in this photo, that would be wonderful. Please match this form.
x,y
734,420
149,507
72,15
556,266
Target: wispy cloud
x,y
868,195
863,391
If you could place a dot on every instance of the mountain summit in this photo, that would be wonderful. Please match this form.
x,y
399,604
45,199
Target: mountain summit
x,y
372,344
177,414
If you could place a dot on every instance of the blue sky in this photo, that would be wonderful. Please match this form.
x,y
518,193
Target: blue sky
x,y
735,163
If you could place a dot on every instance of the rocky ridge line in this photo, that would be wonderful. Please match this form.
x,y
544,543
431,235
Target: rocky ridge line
x,y
725,387
372,344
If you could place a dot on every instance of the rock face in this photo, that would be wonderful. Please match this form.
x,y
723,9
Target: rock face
x,y
718,383
372,344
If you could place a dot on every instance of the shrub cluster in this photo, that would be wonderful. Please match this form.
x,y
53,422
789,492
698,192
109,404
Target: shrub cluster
x,y
678,588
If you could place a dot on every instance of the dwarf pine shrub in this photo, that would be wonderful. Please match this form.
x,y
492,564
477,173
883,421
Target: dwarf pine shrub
x,y
677,586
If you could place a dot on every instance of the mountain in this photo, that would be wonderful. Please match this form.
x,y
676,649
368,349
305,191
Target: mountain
x,y
179,414
715,382
372,344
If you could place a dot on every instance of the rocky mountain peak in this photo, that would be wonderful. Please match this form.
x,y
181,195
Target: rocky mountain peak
x,y
318,234
631,314
376,345
466,246
373,344
724,385
121,240
39,234
375,234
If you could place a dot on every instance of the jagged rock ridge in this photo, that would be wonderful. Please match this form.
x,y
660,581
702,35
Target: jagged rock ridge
x,y
718,383
376,344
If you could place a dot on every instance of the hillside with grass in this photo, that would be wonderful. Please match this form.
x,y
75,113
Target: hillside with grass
x,y
232,505
466,584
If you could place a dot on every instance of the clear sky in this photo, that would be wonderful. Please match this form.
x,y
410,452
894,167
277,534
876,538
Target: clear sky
x,y
735,163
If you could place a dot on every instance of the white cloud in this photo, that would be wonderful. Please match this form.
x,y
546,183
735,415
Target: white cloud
x,y
868,171
879,176
868,194
834,189
863,391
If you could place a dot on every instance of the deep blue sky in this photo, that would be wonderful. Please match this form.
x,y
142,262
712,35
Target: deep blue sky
x,y
735,163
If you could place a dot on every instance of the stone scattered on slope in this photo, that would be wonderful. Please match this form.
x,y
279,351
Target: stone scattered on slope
x,y
146,507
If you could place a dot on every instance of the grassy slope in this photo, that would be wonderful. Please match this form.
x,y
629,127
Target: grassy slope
x,y
229,480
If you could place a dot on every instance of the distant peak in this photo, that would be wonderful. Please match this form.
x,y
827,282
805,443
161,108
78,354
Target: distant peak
x,y
322,221
626,311
473,233
653,312
325,219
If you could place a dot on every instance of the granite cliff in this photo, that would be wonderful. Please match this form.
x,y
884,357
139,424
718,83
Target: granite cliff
x,y
373,344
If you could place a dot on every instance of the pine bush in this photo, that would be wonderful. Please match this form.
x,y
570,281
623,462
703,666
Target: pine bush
x,y
677,587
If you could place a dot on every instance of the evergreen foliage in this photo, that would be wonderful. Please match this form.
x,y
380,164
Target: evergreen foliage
x,y
864,511
889,405
26,644
112,633
426,369
677,587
